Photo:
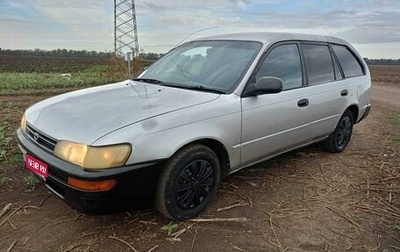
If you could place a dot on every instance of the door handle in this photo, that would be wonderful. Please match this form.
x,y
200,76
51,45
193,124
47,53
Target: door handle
x,y
344,92
303,103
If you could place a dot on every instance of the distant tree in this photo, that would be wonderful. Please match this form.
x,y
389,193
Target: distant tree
x,y
55,53
151,56
382,61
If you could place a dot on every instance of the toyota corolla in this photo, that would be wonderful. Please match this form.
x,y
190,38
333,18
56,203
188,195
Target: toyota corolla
x,y
208,108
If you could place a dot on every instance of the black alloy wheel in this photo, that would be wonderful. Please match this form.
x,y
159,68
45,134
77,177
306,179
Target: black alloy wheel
x,y
188,182
194,184
344,132
339,139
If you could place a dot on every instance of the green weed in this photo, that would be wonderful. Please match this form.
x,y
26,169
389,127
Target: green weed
x,y
3,154
5,139
96,69
31,181
15,159
169,228
394,118
396,226
396,142
4,181
11,105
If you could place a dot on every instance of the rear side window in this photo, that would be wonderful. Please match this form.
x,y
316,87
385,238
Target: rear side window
x,y
350,65
319,63
283,62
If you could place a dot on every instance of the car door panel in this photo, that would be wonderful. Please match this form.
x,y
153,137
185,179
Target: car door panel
x,y
326,107
272,123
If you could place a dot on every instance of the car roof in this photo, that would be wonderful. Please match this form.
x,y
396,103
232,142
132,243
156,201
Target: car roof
x,y
273,37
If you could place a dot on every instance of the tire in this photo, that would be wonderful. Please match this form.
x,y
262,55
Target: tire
x,y
188,182
338,140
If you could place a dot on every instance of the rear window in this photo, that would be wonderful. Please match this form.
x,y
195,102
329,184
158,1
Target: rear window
x,y
318,63
350,65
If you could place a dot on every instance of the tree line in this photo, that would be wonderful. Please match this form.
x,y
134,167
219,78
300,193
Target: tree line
x,y
143,55
55,53
382,61
70,53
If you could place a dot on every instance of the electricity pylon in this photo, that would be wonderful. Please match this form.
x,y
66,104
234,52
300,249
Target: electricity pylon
x,y
125,28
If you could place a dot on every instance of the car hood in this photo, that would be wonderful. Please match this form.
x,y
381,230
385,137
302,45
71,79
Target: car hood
x,y
84,116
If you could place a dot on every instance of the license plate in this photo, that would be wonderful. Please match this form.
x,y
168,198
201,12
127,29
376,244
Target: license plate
x,y
36,166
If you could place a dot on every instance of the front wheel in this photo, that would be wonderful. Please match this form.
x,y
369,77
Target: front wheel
x,y
188,182
338,140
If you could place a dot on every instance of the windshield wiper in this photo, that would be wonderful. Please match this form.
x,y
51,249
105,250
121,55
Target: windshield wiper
x,y
147,80
203,88
176,85
196,87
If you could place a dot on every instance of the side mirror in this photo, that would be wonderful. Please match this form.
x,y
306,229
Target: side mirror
x,y
264,85
268,85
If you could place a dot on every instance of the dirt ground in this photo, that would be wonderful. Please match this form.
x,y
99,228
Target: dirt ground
x,y
306,200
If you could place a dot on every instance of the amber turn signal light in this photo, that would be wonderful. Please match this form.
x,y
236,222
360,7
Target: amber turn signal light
x,y
92,186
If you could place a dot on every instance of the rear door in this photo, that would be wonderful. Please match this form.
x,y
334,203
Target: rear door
x,y
272,123
326,88
330,92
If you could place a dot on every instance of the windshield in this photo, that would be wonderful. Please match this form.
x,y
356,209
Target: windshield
x,y
204,65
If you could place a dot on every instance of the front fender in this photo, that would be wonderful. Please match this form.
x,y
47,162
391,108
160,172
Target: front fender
x,y
162,136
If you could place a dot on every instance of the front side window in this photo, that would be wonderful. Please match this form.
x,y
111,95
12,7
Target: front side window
x,y
204,65
318,63
350,65
283,62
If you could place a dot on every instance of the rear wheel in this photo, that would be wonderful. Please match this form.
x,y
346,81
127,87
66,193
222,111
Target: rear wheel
x,y
338,140
188,182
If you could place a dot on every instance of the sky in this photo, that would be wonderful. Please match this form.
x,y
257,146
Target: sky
x,y
371,26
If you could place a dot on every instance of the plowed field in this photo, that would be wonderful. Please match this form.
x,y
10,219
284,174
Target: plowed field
x,y
306,200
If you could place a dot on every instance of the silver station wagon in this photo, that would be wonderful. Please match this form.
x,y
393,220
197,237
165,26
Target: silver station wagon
x,y
208,108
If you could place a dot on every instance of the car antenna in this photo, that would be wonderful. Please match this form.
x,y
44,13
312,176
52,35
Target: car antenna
x,y
209,28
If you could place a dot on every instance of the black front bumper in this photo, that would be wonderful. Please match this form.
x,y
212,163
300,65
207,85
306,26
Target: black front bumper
x,y
134,188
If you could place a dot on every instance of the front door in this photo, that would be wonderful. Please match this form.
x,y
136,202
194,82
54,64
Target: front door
x,y
272,123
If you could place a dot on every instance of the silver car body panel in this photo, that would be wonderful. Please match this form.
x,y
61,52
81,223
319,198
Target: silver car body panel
x,y
160,137
108,108
158,120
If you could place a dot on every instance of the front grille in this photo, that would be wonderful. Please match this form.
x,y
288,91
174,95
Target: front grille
x,y
55,189
41,139
57,176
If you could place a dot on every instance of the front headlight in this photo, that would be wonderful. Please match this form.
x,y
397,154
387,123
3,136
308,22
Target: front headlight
x,y
89,157
23,124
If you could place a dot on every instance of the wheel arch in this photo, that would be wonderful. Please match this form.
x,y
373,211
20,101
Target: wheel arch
x,y
354,111
218,148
